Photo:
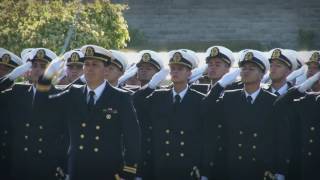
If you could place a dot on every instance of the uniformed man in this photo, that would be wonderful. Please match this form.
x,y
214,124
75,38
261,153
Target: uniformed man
x,y
301,112
305,136
244,129
148,58
74,66
282,63
8,61
37,137
175,122
101,122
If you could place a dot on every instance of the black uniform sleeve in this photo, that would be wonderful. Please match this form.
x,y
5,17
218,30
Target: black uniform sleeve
x,y
5,83
131,133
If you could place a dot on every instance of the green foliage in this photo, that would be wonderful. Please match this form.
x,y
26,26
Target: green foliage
x,y
34,23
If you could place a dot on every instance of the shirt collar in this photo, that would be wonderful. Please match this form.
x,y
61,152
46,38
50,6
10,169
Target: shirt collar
x,y
181,94
97,91
253,95
281,90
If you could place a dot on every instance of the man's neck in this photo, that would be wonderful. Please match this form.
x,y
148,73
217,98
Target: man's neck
x,y
113,83
252,87
178,87
94,85
143,83
278,84
214,81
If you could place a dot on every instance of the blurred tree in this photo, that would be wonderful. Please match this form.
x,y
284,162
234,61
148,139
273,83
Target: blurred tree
x,y
33,23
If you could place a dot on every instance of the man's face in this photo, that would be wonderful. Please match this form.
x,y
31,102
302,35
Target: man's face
x,y
217,68
278,71
145,72
313,68
113,73
179,73
94,71
37,69
4,70
74,71
250,73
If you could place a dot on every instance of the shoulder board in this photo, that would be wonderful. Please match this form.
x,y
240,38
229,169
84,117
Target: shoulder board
x,y
58,94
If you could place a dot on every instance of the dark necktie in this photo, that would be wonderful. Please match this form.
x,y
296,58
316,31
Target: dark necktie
x,y
249,99
177,99
277,93
91,100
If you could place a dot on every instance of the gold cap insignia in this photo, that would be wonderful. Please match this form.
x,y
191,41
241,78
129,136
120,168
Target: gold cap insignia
x,y
6,58
314,56
40,54
248,56
276,54
146,57
176,57
214,52
75,57
89,51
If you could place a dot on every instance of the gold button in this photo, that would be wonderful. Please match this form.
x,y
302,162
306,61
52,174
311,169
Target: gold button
x,y
98,127
95,149
211,164
150,127
181,143
81,147
40,139
309,153
26,137
81,136
167,142
167,131
83,124
219,126
5,132
255,135
239,145
27,125
254,159
40,127
167,154
311,141
39,151
108,116
4,144
220,149
218,137
149,139
97,138
240,157
181,132
25,149
254,147
148,152
312,128
240,132
181,155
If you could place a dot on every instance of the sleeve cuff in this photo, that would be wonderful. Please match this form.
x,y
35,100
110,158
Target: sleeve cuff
x,y
130,169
